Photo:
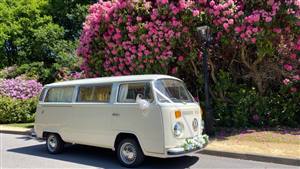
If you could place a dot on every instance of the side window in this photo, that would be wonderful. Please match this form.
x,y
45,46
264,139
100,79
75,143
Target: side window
x,y
128,92
94,93
60,94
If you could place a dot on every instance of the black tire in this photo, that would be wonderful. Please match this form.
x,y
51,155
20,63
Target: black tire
x,y
54,143
139,155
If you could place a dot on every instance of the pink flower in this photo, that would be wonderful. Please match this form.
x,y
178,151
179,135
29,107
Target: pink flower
x,y
164,2
253,40
196,12
256,18
277,30
117,36
268,19
288,67
174,70
180,58
237,29
114,52
230,21
255,30
216,12
212,3
286,81
225,25
202,1
243,35
293,56
296,77
139,18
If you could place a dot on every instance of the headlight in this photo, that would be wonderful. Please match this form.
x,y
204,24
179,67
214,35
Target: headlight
x,y
178,129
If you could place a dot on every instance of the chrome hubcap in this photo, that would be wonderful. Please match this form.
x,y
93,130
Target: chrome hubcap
x,y
52,143
128,153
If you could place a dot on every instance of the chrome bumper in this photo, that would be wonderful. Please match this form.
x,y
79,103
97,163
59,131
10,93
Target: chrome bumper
x,y
176,151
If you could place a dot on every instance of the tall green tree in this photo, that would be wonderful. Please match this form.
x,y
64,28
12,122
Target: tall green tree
x,y
27,34
69,14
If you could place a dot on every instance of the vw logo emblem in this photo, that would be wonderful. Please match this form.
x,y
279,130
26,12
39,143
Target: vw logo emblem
x,y
195,124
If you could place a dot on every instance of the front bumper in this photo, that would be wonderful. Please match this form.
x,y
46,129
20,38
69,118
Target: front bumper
x,y
190,145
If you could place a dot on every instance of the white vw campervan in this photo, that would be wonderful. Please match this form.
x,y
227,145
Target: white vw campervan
x,y
152,115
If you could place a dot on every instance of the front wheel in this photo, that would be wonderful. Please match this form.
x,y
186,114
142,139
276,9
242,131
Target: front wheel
x,y
129,153
54,143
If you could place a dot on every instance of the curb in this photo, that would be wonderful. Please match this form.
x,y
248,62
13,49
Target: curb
x,y
25,132
253,157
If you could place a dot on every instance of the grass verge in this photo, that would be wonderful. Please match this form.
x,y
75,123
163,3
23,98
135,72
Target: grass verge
x,y
280,142
20,125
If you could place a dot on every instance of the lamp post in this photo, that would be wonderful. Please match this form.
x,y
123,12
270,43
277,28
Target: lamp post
x,y
204,39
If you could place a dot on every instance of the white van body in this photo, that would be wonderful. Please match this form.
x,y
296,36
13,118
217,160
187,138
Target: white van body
x,y
163,126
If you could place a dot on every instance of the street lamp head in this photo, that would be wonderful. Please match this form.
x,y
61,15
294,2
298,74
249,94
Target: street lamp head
x,y
203,33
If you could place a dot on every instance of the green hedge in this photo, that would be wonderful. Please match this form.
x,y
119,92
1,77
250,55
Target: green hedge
x,y
17,110
242,106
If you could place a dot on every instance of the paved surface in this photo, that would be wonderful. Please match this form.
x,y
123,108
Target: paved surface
x,y
19,151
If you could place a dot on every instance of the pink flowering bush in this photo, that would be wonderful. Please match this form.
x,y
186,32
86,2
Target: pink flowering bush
x,y
256,42
136,37
20,89
18,100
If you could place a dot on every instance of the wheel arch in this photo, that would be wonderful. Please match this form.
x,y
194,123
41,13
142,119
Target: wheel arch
x,y
46,133
123,135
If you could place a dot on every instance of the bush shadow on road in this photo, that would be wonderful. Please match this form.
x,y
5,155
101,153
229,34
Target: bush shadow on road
x,y
99,157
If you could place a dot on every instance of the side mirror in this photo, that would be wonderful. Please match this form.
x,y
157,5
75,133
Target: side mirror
x,y
144,104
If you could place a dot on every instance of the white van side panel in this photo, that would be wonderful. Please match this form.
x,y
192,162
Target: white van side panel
x,y
146,125
90,124
51,117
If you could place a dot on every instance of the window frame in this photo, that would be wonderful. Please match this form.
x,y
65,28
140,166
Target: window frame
x,y
134,82
43,94
93,85
49,88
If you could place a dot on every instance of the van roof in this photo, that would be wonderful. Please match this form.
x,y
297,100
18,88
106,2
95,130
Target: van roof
x,y
111,80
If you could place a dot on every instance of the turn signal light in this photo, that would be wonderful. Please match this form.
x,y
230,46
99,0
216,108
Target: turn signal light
x,y
177,114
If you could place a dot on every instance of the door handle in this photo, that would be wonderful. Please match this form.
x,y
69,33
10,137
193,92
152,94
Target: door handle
x,y
115,114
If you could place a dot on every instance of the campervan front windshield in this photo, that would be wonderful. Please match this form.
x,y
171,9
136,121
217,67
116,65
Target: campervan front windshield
x,y
172,90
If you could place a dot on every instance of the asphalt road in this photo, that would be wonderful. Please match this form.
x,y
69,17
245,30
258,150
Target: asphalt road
x,y
18,151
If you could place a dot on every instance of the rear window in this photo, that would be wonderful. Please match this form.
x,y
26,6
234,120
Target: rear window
x,y
94,93
42,95
60,94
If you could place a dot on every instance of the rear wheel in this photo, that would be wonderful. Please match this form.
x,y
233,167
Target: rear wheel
x,y
54,143
129,153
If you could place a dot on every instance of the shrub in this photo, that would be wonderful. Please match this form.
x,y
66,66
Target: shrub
x,y
7,72
243,106
35,70
20,89
17,110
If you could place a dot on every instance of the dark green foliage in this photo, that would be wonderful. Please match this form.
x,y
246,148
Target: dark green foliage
x,y
69,14
28,34
242,106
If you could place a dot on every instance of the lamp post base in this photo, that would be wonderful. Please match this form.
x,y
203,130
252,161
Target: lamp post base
x,y
209,123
